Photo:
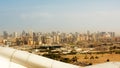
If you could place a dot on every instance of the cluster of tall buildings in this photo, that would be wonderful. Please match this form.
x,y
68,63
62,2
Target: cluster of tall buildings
x,y
50,38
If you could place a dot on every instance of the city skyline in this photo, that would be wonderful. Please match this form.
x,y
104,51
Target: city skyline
x,y
62,15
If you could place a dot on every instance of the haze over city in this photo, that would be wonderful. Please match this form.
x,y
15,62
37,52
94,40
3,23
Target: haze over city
x,y
59,33
60,15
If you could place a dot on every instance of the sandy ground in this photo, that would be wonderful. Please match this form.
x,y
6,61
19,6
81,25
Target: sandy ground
x,y
101,58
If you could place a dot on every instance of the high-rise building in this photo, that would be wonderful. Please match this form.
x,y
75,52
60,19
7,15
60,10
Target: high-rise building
x,y
112,34
88,32
5,34
23,33
15,34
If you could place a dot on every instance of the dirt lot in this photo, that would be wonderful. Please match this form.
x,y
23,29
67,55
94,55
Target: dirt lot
x,y
95,58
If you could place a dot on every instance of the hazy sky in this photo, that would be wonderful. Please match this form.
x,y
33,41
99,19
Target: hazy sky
x,y
62,15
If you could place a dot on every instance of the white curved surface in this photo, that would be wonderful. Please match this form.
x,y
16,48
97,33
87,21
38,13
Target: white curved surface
x,y
12,58
22,59
5,63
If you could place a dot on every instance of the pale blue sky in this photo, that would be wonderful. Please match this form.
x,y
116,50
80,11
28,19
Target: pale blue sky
x,y
61,15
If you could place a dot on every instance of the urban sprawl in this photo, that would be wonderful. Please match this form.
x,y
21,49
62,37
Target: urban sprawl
x,y
66,47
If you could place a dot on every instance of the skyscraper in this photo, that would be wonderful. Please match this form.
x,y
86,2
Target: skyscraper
x,y
5,34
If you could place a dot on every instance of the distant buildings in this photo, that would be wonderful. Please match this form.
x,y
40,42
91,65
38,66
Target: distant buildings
x,y
39,38
5,34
